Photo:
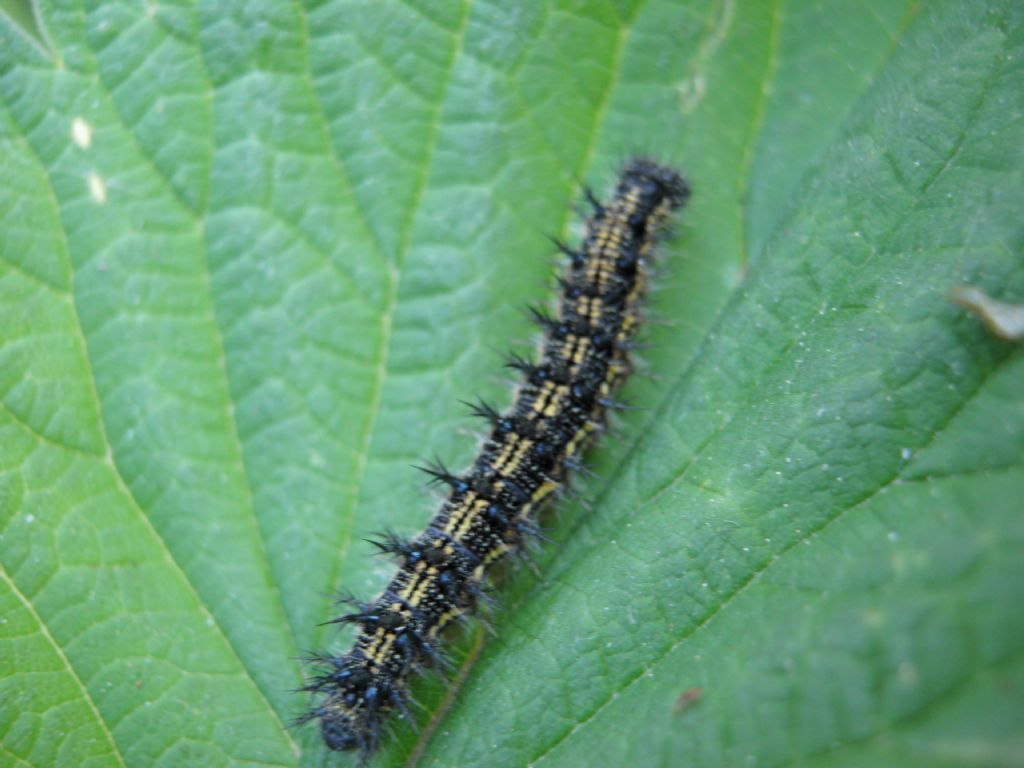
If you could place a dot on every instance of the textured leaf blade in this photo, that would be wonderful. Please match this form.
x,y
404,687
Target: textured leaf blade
x,y
252,257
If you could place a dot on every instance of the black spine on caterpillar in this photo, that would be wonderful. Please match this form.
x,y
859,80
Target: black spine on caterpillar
x,y
492,509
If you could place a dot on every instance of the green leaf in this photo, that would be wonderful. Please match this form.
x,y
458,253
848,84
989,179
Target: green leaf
x,y
252,255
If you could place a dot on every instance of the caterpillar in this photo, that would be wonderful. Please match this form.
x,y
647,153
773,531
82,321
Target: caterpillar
x,y
491,510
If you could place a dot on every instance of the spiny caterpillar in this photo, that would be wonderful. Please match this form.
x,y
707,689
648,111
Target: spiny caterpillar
x,y
492,509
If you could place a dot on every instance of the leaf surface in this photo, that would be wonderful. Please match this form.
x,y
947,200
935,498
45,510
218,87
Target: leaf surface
x,y
253,255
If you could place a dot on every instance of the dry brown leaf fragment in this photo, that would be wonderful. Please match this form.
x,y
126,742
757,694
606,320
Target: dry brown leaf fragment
x,y
1004,320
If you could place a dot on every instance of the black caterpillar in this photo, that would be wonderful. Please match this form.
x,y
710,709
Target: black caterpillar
x,y
492,509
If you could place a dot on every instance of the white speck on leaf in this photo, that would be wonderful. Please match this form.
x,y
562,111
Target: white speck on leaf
x,y
97,189
81,132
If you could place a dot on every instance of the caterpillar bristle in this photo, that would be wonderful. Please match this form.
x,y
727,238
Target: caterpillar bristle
x,y
440,475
